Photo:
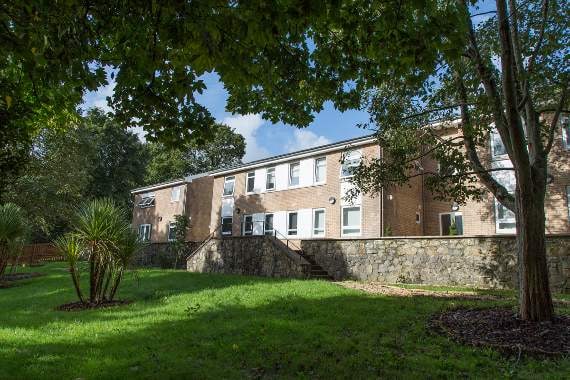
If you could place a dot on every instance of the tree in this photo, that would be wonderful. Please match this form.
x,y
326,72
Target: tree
x,y
225,149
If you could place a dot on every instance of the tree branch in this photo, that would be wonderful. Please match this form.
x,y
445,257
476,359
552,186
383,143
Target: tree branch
x,y
555,118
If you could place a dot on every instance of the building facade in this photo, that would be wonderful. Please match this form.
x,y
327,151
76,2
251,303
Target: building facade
x,y
306,195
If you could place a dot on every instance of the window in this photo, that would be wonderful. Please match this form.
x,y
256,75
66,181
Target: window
x,y
268,227
294,174
292,223
229,184
320,170
350,162
144,232
497,147
175,194
505,219
247,225
270,179
565,123
250,182
147,200
351,221
171,231
451,224
227,223
319,222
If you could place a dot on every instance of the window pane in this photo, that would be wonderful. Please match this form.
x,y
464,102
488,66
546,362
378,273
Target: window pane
x,y
269,224
248,225
270,183
294,174
292,224
319,219
227,226
320,169
350,163
445,224
250,182
351,216
171,232
459,224
498,146
175,194
229,186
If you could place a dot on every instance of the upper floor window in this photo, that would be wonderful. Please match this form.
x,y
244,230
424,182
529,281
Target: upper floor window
x,y
250,182
270,179
565,123
497,147
349,163
320,170
229,184
175,194
294,170
147,200
144,232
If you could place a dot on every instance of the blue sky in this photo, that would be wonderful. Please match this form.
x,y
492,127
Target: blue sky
x,y
264,138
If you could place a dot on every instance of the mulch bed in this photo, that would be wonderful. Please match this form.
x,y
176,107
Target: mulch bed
x,y
7,280
78,306
502,329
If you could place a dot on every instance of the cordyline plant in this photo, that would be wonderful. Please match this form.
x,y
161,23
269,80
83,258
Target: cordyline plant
x,y
13,232
103,238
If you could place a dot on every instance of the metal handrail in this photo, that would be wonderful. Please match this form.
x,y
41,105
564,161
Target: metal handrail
x,y
205,241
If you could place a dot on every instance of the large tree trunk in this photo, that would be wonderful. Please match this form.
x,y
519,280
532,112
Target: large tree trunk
x,y
535,297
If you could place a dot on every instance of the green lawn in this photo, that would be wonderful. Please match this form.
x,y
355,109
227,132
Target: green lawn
x,y
184,325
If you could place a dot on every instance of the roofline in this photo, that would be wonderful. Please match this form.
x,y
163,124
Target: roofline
x,y
158,186
298,154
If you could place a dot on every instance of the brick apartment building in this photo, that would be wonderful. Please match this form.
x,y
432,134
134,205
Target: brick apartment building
x,y
301,195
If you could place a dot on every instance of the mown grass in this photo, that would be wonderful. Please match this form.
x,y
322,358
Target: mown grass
x,y
185,325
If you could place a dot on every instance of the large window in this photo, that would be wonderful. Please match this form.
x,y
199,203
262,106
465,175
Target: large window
x,y
144,232
147,200
565,123
498,149
294,170
227,223
451,224
250,182
351,221
247,229
229,184
292,223
270,179
505,219
350,162
268,226
319,222
171,231
175,194
320,170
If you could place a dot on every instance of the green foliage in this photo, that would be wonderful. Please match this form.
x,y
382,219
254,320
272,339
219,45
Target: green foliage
x,y
13,232
181,227
453,228
226,148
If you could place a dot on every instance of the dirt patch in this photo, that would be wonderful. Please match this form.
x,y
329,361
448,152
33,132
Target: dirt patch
x,y
502,329
78,306
377,288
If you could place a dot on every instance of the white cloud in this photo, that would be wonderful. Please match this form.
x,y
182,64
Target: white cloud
x,y
247,126
139,131
303,139
99,98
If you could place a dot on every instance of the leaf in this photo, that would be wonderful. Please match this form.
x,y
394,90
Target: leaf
x,y
8,99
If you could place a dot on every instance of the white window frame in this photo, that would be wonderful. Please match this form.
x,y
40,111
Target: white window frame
x,y
147,200
298,164
267,178
498,230
142,236
495,134
565,138
343,227
343,158
324,229
296,229
175,190
265,230
244,224
247,178
171,226
230,233
324,180
230,178
454,214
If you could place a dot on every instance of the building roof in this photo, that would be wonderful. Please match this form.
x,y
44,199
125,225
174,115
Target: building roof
x,y
163,185
298,154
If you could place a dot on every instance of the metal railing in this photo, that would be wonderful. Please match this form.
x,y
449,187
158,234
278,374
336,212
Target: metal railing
x,y
205,241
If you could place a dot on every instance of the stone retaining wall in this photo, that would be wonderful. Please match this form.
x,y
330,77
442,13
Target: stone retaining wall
x,y
249,255
163,255
470,261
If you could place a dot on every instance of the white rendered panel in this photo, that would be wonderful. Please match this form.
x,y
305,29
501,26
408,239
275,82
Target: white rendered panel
x,y
281,176
304,223
306,175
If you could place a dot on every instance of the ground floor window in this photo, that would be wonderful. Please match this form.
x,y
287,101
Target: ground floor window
x,y
351,221
451,223
504,219
227,223
319,222
268,225
247,229
292,223
171,231
144,232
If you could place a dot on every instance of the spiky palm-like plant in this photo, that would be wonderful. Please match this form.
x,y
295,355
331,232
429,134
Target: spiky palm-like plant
x,y
72,248
129,245
13,230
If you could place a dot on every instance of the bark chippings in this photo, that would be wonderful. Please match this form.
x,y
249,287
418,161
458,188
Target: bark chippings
x,y
504,330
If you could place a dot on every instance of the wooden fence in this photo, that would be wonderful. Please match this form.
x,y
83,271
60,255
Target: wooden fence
x,y
35,254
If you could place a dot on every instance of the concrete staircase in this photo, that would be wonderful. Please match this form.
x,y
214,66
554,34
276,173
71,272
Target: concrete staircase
x,y
317,272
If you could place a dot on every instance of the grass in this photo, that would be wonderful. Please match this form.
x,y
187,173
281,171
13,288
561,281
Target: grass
x,y
185,325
